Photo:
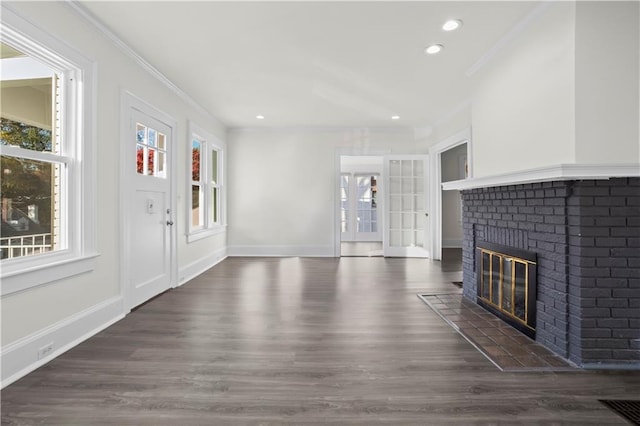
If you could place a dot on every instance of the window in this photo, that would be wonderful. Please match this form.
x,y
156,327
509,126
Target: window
x,y
45,152
206,189
33,166
151,151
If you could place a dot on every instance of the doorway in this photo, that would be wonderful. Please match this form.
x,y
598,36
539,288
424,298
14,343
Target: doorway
x,y
454,166
451,159
360,206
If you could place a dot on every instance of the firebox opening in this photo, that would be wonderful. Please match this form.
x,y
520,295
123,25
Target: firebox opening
x,y
507,284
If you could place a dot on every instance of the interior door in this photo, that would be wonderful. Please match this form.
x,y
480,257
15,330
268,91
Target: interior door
x,y
149,217
406,207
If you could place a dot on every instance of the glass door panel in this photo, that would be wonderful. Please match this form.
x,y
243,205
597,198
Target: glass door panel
x,y
359,220
407,209
345,208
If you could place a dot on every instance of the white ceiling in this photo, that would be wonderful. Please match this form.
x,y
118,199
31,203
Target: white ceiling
x,y
334,64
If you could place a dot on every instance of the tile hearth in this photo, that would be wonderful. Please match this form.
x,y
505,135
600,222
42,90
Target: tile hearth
x,y
503,345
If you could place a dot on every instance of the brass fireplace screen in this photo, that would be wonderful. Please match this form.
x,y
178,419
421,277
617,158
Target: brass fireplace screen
x,y
507,285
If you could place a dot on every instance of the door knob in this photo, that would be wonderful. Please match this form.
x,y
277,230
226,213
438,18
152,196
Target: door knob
x,y
169,222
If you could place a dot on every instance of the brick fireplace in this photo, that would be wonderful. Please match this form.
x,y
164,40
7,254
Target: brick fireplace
x,y
586,237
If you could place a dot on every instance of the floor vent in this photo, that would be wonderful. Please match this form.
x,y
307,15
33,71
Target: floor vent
x,y
630,410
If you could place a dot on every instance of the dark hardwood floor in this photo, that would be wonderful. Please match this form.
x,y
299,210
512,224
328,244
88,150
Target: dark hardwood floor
x,y
301,341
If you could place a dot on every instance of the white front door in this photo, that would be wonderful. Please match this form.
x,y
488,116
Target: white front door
x,y
406,206
148,199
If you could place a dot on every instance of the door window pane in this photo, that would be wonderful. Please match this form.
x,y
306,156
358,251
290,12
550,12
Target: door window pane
x,y
151,154
394,168
151,137
151,160
406,167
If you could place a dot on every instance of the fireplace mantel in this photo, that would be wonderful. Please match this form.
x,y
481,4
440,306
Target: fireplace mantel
x,y
557,172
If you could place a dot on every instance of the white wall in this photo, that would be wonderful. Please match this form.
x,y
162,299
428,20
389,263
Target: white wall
x,y
29,316
282,186
361,164
452,123
565,90
607,76
523,105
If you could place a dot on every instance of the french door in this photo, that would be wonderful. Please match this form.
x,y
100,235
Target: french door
x,y
406,224
359,207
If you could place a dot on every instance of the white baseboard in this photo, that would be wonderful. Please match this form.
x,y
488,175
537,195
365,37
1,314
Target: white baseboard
x,y
451,243
280,251
197,267
21,357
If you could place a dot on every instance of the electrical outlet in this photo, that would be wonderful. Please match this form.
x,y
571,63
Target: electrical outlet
x,y
45,351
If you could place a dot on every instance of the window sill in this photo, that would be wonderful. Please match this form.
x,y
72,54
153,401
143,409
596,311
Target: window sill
x,y
33,275
205,233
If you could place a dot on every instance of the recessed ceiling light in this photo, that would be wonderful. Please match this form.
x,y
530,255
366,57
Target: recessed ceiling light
x,y
433,49
260,117
452,24
395,117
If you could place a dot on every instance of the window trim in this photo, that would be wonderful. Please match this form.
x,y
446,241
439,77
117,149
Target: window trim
x,y
208,143
78,153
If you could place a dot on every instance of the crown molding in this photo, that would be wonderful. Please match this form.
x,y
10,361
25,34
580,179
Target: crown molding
x,y
138,59
548,174
509,36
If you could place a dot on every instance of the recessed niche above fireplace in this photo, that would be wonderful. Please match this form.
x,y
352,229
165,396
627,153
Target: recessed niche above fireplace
x,y
507,284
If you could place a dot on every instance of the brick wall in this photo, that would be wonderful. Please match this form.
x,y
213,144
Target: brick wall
x,y
587,238
604,247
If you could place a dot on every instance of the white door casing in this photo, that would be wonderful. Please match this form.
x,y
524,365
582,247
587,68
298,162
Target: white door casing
x,y
148,252
435,188
407,206
339,153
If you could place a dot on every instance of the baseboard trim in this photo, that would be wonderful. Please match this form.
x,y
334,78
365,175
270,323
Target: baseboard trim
x,y
451,243
195,268
21,357
280,251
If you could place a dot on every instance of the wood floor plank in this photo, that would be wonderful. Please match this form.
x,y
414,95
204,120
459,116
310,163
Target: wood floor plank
x,y
301,341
